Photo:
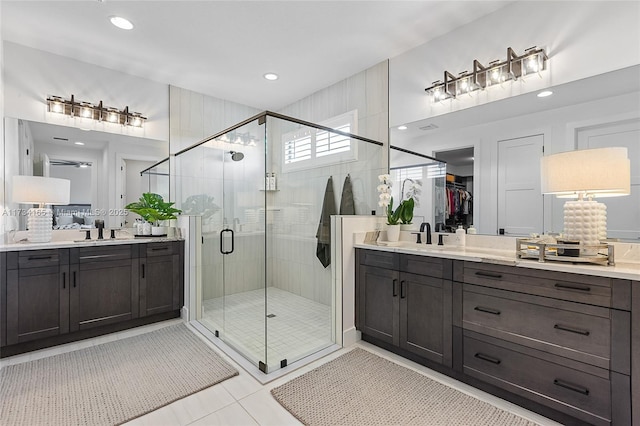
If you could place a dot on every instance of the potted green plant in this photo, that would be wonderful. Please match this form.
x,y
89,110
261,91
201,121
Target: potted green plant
x,y
152,208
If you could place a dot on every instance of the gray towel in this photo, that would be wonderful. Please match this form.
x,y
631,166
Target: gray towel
x,y
323,249
347,206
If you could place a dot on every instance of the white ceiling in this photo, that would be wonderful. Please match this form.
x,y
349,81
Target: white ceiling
x,y
223,48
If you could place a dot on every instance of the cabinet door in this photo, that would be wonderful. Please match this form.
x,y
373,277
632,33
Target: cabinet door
x,y
159,284
102,293
425,317
37,303
379,303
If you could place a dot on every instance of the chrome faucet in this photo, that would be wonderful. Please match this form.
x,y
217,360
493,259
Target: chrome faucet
x,y
426,225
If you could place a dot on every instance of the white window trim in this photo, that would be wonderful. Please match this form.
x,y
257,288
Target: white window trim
x,y
350,118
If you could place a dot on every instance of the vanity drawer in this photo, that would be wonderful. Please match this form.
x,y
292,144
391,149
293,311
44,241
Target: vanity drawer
x,y
580,391
38,258
379,258
159,249
568,329
559,285
101,253
424,265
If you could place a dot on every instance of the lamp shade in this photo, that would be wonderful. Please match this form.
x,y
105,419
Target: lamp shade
x,y
41,190
600,172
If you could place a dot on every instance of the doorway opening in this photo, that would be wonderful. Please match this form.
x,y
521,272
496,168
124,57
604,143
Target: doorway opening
x,y
459,190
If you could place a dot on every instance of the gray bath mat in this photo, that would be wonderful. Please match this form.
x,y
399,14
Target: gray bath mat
x,y
360,388
110,383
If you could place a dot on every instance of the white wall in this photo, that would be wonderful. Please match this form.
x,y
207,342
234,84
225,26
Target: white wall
x,y
136,184
195,116
367,92
2,144
96,198
581,38
30,75
80,182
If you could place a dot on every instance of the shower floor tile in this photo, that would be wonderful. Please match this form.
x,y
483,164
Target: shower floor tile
x,y
296,327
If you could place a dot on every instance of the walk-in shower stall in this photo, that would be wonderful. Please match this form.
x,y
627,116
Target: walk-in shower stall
x,y
264,191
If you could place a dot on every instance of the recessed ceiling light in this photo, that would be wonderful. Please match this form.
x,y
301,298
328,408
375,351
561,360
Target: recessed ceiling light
x,y
545,93
403,127
79,143
121,22
271,76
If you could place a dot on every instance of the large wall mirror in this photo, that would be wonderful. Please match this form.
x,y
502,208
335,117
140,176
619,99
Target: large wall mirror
x,y
509,137
104,170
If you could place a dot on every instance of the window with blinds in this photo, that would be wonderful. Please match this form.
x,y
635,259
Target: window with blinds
x,y
297,148
309,147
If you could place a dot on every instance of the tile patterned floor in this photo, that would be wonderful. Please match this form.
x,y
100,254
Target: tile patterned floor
x,y
296,326
242,400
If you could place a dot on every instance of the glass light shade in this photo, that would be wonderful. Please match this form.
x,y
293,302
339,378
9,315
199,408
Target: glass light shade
x,y
40,190
599,172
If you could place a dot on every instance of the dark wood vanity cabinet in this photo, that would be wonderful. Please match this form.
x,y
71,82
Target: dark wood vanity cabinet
x,y
562,344
406,304
558,339
37,295
160,277
103,285
55,296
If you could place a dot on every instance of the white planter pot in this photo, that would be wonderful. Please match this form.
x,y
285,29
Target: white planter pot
x,y
393,233
158,230
409,227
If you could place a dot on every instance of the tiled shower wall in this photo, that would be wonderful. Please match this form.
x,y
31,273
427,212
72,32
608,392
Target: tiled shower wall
x,y
293,212
294,263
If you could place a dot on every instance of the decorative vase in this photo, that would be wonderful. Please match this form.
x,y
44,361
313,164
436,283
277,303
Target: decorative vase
x,y
393,233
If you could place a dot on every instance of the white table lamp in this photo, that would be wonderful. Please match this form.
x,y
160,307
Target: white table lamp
x,y
585,174
41,191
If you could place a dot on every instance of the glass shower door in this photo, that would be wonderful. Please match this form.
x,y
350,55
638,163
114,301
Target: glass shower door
x,y
242,243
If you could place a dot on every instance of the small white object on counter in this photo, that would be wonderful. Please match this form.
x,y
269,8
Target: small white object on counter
x,y
460,238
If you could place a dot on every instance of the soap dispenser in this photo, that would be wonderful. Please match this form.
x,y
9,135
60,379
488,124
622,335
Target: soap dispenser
x,y
460,236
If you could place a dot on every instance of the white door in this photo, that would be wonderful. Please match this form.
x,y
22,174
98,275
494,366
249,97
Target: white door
x,y
520,202
623,213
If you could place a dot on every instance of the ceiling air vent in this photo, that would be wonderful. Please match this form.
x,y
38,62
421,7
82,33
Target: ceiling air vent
x,y
428,127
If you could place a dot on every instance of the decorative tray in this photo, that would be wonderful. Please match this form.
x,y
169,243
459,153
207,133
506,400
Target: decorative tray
x,y
575,253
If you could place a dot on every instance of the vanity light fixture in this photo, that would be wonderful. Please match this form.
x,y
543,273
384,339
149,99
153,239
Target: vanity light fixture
x,y
98,112
533,61
238,138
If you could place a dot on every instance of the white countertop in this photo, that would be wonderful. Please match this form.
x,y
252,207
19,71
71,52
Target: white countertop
x,y
624,268
25,245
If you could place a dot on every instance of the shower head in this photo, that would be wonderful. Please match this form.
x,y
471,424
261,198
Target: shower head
x,y
236,155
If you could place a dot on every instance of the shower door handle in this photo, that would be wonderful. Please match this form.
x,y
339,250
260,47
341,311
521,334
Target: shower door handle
x,y
222,238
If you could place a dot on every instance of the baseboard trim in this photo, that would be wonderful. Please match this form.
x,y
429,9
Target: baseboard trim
x,y
350,337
